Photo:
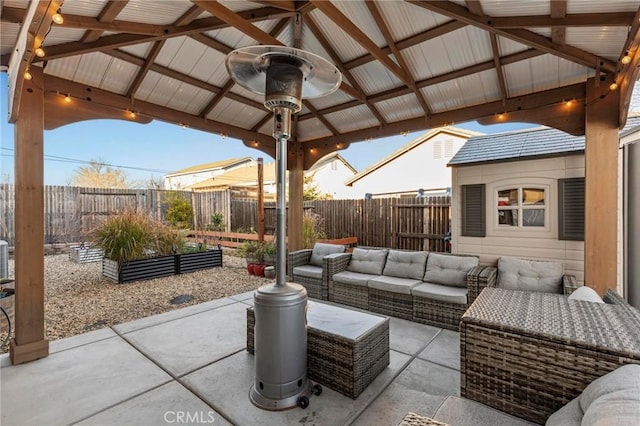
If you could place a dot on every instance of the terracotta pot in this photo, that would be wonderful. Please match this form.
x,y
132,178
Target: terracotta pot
x,y
250,268
259,270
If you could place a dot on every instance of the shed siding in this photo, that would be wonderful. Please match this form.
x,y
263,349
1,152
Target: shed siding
x,y
533,244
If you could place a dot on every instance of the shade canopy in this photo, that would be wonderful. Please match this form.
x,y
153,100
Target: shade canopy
x,y
406,65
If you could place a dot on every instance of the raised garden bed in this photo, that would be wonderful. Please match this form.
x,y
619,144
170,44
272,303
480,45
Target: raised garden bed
x,y
82,254
163,266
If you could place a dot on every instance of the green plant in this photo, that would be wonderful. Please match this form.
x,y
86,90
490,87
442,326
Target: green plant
x,y
269,247
216,223
179,210
312,224
133,235
251,250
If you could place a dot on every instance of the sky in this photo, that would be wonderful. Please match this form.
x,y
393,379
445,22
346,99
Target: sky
x,y
152,150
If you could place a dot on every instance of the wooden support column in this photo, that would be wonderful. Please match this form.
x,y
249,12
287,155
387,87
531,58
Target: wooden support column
x,y
296,202
29,342
601,186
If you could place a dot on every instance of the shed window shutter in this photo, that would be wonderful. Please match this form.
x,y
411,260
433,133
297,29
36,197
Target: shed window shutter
x,y
571,209
473,211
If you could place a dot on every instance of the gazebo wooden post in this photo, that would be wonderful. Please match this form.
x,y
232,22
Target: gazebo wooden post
x,y
601,186
296,201
29,342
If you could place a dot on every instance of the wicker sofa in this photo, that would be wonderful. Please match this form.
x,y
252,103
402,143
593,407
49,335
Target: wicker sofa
x,y
530,353
523,274
425,287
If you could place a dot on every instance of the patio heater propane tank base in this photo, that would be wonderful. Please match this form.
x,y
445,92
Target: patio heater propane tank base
x,y
280,347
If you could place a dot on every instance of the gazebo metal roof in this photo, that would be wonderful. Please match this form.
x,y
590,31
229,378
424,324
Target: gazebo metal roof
x,y
407,65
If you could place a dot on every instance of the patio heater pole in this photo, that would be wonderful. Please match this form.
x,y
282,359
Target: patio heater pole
x,y
280,309
281,208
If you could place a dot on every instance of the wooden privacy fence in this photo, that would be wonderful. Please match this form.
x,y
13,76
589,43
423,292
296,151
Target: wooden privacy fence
x,y
403,223
71,212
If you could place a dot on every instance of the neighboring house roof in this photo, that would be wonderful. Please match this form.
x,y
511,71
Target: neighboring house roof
x,y
455,131
540,142
211,166
330,157
239,177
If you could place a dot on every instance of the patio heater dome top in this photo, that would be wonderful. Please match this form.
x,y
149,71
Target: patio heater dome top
x,y
285,75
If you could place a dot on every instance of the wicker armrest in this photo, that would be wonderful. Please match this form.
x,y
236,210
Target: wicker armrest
x,y
297,258
478,279
335,263
569,284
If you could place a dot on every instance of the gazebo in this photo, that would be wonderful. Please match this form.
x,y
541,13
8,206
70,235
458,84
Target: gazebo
x,y
406,66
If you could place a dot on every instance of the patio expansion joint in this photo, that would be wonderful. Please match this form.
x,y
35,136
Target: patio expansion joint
x,y
231,302
178,377
412,357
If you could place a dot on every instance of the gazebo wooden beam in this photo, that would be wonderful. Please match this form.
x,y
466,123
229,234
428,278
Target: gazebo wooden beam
x,y
558,11
628,73
107,15
523,36
559,20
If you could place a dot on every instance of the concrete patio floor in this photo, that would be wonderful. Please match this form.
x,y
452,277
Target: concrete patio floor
x,y
191,364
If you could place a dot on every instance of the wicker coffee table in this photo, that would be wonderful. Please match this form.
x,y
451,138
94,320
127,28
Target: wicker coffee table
x,y
528,354
346,349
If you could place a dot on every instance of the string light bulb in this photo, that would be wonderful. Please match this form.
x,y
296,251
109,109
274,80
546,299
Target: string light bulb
x,y
27,74
57,18
613,86
39,52
67,99
132,114
404,133
626,58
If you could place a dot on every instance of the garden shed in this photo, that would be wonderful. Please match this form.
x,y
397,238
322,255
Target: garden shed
x,y
522,194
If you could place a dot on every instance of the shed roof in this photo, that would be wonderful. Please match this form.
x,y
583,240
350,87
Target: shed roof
x,y
523,144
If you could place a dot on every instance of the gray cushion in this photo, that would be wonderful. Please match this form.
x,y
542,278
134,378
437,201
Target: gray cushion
x,y
613,399
442,293
367,261
393,284
352,278
309,271
449,269
530,275
586,294
320,250
405,264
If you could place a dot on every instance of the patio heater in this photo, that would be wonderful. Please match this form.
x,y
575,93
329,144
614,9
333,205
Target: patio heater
x,y
285,76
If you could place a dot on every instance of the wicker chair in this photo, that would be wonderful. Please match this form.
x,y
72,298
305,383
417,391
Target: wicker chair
x,y
488,277
309,268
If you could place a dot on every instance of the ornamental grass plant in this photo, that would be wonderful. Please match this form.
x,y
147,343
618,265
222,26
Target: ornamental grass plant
x,y
134,235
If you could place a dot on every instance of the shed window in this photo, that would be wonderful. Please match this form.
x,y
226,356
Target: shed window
x,y
521,207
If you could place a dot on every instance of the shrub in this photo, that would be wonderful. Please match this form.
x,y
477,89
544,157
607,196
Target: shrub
x,y
134,235
179,210
216,223
312,225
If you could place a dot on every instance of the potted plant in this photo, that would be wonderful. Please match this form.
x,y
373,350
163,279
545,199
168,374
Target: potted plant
x,y
252,252
269,252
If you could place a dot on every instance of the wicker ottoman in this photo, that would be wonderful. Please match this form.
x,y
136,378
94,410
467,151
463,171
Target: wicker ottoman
x,y
346,349
528,354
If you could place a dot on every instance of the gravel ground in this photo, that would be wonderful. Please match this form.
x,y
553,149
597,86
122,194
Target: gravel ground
x,y
79,299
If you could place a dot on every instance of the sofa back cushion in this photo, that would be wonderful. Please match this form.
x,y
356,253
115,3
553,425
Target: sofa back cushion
x,y
405,264
530,275
368,261
448,269
320,250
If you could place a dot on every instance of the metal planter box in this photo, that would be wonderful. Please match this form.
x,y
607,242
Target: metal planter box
x,y
190,262
140,269
85,254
